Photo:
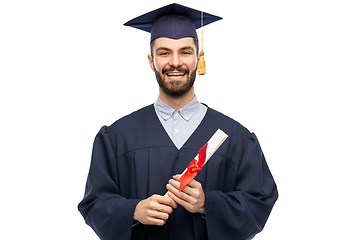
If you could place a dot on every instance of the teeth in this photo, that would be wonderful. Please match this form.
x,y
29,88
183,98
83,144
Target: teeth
x,y
175,74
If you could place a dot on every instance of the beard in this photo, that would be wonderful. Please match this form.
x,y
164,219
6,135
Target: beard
x,y
175,88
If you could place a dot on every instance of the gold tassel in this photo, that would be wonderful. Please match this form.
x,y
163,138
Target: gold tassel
x,y
202,64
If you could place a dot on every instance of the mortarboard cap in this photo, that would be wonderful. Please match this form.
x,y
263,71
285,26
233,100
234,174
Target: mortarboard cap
x,y
172,21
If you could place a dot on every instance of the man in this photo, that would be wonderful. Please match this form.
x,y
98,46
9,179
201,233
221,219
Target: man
x,y
138,159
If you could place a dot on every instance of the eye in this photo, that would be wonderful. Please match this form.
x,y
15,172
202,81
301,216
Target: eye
x,y
163,53
187,52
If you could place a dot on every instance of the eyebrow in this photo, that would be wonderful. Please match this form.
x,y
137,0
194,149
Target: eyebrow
x,y
187,48
168,49
163,49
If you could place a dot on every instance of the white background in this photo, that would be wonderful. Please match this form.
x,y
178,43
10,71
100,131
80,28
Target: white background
x,y
287,70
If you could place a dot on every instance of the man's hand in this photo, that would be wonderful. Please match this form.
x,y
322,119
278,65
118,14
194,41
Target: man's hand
x,y
191,197
154,210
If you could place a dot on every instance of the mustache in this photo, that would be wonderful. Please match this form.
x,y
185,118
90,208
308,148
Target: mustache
x,y
172,69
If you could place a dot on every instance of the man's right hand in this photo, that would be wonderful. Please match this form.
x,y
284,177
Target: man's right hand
x,y
154,210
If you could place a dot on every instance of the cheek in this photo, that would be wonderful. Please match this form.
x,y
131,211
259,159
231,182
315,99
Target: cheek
x,y
158,64
157,68
194,63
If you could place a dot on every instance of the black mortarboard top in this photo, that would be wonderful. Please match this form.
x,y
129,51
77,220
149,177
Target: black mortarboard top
x,y
172,21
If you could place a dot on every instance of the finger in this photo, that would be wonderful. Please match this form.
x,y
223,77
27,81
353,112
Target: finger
x,y
176,198
182,201
177,177
167,202
193,183
155,221
171,188
146,212
183,196
163,209
176,185
158,215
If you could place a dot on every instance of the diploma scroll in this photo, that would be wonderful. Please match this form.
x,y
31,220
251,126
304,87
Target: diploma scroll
x,y
204,154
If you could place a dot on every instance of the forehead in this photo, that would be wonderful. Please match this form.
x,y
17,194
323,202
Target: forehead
x,y
174,44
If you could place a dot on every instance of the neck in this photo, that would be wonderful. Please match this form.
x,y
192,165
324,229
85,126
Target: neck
x,y
177,102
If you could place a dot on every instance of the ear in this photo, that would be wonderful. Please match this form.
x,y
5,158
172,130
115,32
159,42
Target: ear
x,y
151,62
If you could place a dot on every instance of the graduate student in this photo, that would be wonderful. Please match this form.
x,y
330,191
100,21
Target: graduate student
x,y
138,159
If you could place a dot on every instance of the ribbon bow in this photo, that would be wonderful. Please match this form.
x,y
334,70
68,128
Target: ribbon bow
x,y
194,167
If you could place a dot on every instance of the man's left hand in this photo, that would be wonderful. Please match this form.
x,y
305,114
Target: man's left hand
x,y
191,197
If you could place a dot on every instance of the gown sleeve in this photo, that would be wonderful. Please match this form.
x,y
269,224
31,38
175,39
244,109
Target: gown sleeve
x,y
108,213
242,213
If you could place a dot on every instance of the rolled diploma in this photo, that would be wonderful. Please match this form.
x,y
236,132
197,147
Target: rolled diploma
x,y
213,144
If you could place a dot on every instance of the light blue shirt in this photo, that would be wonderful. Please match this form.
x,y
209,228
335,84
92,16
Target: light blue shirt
x,y
180,124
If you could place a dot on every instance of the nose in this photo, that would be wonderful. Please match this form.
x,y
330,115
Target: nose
x,y
175,60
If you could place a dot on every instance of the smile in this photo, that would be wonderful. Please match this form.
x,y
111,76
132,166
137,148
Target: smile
x,y
175,74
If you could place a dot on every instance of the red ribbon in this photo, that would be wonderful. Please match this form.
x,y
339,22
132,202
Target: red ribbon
x,y
193,168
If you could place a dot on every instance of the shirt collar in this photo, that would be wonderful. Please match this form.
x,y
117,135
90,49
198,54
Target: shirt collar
x,y
163,110
186,112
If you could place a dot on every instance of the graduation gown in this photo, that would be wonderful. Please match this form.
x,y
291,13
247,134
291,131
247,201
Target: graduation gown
x,y
134,158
